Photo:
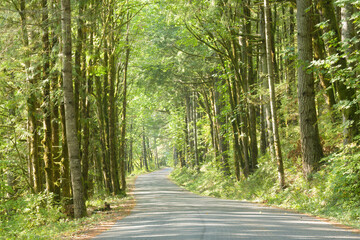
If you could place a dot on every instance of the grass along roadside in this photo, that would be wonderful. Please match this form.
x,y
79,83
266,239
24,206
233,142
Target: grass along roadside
x,y
315,198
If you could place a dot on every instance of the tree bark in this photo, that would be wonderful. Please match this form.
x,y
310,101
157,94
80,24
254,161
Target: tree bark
x,y
271,80
310,141
32,105
266,132
196,152
221,132
55,123
190,142
56,150
184,159
123,113
102,133
238,155
112,130
46,107
78,78
65,163
144,150
85,159
131,160
289,62
70,118
251,90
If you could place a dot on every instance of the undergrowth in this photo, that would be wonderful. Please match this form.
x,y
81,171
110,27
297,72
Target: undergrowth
x,y
36,216
333,192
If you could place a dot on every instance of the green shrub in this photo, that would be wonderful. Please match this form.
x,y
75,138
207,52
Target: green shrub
x,y
22,216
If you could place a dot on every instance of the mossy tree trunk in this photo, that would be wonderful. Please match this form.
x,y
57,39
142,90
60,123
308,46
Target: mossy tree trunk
x,y
46,106
32,105
70,117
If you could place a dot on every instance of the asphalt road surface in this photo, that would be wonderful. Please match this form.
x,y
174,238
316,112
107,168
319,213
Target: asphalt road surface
x,y
165,211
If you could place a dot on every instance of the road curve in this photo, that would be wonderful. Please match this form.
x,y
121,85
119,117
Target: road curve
x,y
165,211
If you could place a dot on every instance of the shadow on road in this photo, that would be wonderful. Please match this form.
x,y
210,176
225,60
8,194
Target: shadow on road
x,y
165,211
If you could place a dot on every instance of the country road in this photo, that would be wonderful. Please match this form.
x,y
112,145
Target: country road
x,y
165,211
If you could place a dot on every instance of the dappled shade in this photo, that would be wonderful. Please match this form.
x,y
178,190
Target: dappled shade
x,y
165,211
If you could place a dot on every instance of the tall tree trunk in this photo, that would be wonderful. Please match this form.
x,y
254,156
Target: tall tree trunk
x,y
156,153
289,62
236,143
238,155
250,87
86,108
104,104
98,171
56,150
79,75
190,142
271,80
86,135
112,130
123,113
131,160
144,150
32,105
184,159
65,162
207,107
112,105
310,141
103,134
263,134
244,140
175,156
46,107
221,132
149,152
70,118
265,83
243,82
55,123
266,135
196,152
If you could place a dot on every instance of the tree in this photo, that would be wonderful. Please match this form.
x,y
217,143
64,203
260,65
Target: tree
x,y
32,104
310,141
47,143
123,113
70,118
271,82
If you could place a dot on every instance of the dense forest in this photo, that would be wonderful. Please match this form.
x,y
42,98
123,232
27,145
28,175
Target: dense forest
x,y
92,91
